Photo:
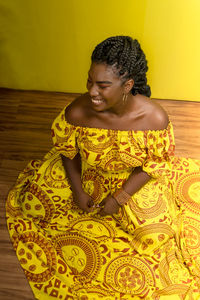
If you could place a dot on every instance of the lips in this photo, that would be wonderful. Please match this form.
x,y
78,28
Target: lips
x,y
97,101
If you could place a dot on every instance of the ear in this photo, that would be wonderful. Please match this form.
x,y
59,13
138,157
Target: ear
x,y
128,85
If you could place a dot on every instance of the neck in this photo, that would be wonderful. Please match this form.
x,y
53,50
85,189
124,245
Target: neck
x,y
122,108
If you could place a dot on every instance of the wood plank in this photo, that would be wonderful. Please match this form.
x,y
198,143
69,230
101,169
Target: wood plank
x,y
185,117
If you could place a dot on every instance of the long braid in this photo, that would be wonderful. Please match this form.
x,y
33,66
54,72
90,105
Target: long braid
x,y
126,55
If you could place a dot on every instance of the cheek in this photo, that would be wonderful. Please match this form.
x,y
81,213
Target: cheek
x,y
87,86
116,94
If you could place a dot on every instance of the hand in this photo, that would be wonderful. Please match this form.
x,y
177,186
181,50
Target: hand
x,y
110,206
84,201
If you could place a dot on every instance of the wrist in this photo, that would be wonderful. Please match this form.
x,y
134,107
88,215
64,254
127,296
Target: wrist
x,y
121,196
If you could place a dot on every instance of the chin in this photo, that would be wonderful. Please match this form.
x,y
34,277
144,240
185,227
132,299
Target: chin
x,y
98,109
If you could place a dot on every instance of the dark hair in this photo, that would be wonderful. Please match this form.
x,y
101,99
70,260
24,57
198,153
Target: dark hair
x,y
126,55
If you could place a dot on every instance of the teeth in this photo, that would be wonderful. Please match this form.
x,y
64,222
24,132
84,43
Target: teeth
x,y
95,101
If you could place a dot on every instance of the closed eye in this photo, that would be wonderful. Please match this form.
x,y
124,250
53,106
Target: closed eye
x,y
103,87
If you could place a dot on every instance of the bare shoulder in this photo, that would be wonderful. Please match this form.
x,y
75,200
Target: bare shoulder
x,y
155,115
75,112
158,117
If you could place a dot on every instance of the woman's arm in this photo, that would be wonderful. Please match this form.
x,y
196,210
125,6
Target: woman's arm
x,y
73,174
136,181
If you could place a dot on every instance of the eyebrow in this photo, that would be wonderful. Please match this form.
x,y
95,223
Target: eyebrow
x,y
101,82
105,82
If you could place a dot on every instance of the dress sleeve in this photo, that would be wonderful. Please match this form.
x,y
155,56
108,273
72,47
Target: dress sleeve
x,y
64,136
160,147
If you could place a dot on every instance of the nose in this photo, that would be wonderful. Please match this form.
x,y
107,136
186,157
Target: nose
x,y
93,90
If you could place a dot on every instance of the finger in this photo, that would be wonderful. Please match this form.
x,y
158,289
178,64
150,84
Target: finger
x,y
102,212
102,203
85,208
90,203
88,210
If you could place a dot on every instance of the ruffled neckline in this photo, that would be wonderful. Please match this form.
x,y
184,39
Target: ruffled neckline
x,y
78,127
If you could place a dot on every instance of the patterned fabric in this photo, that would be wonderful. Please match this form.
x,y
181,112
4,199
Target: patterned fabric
x,y
149,250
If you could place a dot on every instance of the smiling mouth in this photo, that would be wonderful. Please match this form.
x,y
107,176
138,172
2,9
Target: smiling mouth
x,y
97,101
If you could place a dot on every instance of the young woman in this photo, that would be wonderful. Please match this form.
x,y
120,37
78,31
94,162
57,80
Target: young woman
x,y
110,213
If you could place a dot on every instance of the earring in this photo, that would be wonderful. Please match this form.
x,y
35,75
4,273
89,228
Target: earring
x,y
124,98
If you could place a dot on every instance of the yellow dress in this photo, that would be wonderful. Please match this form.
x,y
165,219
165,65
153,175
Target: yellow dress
x,y
149,250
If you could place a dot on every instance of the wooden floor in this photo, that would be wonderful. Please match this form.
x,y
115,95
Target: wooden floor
x,y
25,122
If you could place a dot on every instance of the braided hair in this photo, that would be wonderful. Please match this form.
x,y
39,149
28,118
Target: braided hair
x,y
127,57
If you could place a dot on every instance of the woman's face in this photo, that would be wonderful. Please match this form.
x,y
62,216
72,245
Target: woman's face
x,y
105,88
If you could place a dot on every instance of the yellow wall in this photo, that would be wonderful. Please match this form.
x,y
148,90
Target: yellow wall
x,y
171,42
46,44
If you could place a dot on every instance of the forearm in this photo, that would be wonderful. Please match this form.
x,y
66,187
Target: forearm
x,y
112,203
73,172
136,181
